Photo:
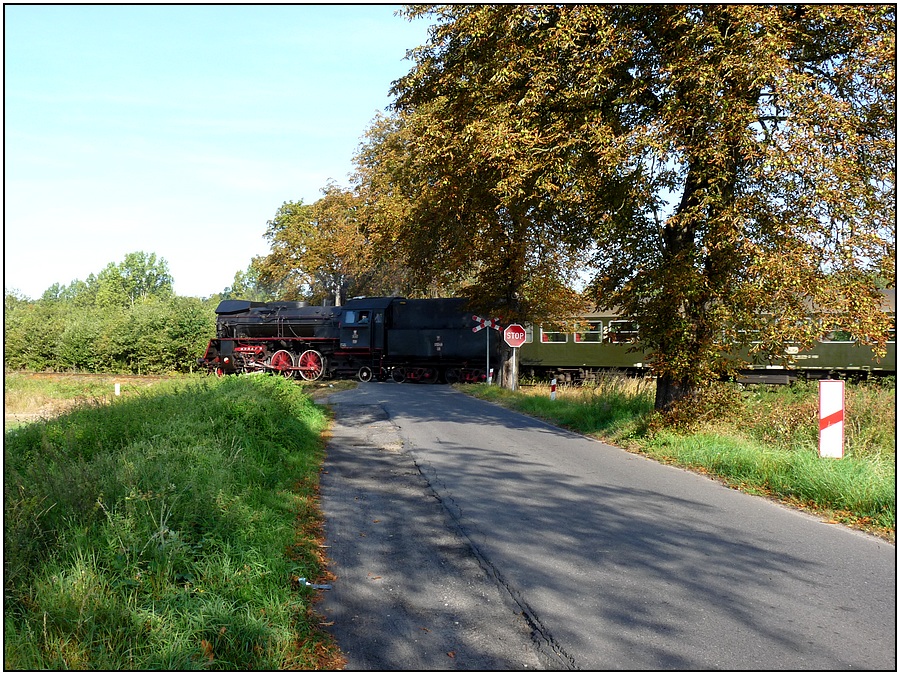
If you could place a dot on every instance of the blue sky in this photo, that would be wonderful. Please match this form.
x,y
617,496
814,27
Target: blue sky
x,y
180,130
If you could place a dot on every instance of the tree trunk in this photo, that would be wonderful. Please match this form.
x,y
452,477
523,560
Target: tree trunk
x,y
509,372
669,390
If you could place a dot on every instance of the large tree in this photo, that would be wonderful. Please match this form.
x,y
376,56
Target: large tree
x,y
317,249
731,168
447,192
436,199
321,251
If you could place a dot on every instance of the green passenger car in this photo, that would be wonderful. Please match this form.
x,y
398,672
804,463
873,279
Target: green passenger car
x,y
604,341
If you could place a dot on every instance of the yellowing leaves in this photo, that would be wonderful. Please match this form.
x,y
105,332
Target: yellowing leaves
x,y
691,158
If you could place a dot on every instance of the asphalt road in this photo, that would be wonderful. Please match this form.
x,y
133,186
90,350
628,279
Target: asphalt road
x,y
466,536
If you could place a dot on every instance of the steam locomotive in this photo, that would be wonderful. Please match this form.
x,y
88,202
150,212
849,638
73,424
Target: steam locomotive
x,y
368,338
435,340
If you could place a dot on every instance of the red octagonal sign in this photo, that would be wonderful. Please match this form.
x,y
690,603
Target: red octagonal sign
x,y
514,335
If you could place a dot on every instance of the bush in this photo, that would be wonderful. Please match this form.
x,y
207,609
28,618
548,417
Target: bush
x,y
31,331
152,336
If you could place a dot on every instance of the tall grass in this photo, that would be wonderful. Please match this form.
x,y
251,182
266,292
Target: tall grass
x,y
760,439
163,531
614,405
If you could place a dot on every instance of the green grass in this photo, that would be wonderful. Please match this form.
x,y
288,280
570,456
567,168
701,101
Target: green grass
x,y
32,396
22,388
165,530
763,440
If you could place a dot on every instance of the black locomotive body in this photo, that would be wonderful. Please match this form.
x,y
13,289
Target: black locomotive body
x,y
245,319
379,337
427,340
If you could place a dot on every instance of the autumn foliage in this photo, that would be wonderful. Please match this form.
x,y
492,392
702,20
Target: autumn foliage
x,y
715,171
723,174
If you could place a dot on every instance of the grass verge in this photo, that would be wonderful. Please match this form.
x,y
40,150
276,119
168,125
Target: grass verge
x,y
28,397
167,530
762,440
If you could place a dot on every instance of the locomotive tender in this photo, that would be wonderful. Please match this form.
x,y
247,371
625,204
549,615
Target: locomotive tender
x,y
378,337
433,340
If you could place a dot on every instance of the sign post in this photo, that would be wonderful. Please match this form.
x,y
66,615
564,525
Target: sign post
x,y
487,355
486,323
514,335
831,418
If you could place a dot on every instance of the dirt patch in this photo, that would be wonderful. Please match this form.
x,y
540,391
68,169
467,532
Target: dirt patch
x,y
319,391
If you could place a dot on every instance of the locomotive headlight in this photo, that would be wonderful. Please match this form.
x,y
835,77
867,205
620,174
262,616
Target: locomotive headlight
x,y
226,359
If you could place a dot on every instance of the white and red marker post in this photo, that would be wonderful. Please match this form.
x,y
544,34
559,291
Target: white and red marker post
x,y
831,418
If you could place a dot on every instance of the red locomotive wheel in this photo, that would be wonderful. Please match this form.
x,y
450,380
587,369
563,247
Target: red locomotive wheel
x,y
283,363
311,364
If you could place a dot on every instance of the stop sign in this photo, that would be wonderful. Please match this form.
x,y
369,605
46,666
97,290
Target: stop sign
x,y
514,335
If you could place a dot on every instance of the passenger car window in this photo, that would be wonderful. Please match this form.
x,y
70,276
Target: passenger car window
x,y
554,336
621,331
837,335
593,332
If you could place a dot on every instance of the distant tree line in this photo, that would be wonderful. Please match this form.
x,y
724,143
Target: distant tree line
x,y
126,319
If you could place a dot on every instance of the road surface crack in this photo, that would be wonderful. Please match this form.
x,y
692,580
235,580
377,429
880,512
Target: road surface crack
x,y
547,646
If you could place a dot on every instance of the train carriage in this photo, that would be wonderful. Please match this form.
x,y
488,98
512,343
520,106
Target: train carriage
x,y
604,341
596,342
434,340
